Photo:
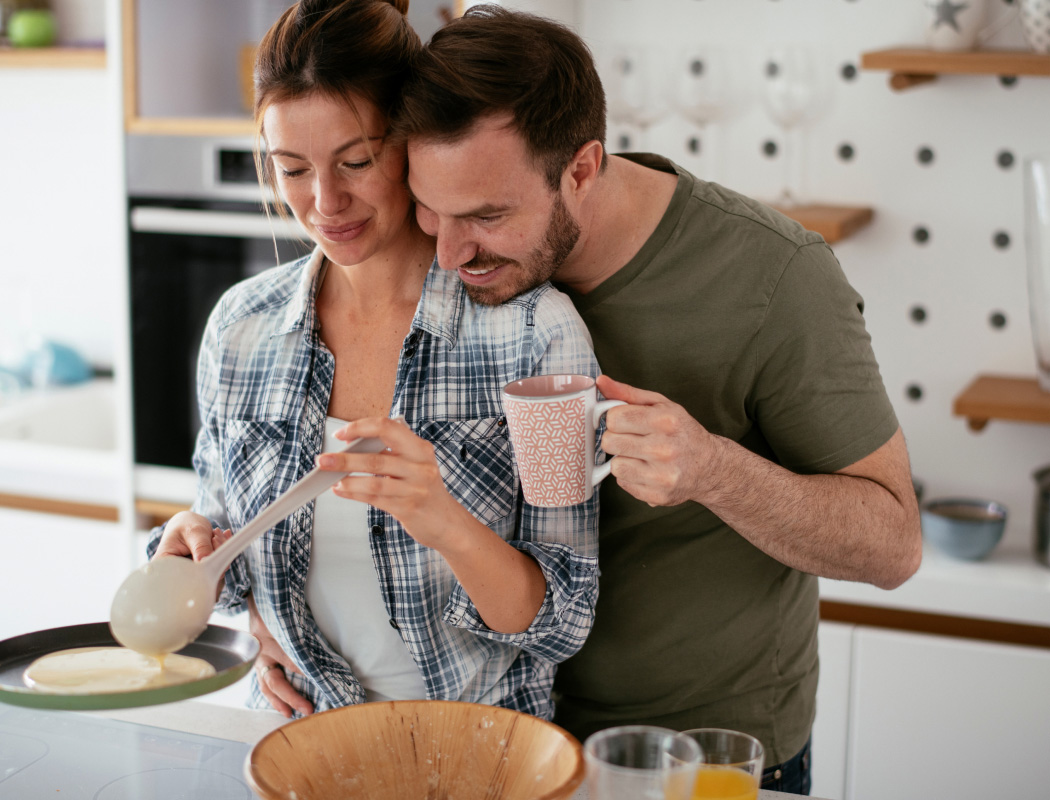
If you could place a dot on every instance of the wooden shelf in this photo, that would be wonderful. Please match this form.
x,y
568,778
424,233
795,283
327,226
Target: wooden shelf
x,y
913,66
991,397
834,223
53,57
190,126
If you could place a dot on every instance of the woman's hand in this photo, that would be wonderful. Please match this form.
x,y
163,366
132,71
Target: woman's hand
x,y
403,480
189,534
271,665
506,585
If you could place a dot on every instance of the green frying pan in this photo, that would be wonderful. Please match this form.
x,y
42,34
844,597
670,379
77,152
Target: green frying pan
x,y
231,652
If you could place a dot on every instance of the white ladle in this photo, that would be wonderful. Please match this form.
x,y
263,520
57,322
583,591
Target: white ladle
x,y
165,604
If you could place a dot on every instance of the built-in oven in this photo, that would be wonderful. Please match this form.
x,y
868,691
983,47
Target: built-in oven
x,y
196,225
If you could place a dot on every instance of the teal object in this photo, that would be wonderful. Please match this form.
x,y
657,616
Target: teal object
x,y
54,363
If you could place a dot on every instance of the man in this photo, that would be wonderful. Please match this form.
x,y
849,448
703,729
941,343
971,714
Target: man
x,y
758,448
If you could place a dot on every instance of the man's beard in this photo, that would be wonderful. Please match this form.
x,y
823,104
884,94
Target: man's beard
x,y
558,241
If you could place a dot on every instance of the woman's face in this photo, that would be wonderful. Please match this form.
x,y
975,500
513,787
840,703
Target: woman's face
x,y
341,181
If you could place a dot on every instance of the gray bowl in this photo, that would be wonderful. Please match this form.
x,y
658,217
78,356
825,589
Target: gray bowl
x,y
963,527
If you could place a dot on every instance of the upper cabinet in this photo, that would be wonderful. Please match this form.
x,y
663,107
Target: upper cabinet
x,y
188,65
80,29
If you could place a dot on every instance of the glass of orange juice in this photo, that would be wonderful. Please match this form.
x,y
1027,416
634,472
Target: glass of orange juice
x,y
730,764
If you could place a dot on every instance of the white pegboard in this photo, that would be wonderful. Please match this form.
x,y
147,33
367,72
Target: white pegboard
x,y
963,198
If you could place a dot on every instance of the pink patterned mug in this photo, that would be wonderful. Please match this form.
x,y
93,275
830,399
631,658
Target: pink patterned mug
x,y
552,421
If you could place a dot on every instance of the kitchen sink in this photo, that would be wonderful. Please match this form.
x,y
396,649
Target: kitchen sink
x,y
61,442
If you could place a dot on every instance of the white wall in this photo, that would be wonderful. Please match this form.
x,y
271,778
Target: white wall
x,y
61,232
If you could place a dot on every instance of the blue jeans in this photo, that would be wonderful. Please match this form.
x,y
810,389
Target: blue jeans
x,y
792,776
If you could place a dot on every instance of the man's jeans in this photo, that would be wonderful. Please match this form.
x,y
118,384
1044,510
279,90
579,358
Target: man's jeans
x,y
792,776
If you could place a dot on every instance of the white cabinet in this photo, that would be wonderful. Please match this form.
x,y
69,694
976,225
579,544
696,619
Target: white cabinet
x,y
57,570
932,716
831,726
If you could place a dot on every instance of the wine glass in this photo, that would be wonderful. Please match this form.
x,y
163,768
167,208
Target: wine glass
x,y
795,92
632,88
702,90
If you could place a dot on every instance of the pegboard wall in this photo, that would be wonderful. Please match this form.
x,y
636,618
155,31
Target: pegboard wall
x,y
942,266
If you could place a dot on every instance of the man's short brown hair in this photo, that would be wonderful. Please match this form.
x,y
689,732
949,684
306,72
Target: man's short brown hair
x,y
495,62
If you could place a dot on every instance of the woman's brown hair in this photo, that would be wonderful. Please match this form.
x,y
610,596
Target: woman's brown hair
x,y
338,48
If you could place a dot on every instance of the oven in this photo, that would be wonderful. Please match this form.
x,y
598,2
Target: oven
x,y
196,226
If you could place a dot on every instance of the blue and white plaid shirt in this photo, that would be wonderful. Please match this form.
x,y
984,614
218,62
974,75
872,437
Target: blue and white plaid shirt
x,y
264,379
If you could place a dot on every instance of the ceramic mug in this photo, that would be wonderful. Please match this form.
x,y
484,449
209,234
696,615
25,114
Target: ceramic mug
x,y
962,25
1035,24
552,421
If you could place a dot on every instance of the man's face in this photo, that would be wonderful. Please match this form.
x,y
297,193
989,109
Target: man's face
x,y
496,221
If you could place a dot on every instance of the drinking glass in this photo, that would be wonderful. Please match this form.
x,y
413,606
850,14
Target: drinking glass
x,y
795,91
1037,247
632,87
702,90
640,762
730,764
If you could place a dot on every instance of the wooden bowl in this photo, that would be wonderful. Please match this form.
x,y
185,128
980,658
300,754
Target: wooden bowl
x,y
416,749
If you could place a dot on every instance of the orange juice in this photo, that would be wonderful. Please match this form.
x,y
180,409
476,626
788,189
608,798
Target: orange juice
x,y
724,783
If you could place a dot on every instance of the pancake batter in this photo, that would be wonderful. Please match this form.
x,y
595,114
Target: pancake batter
x,y
105,670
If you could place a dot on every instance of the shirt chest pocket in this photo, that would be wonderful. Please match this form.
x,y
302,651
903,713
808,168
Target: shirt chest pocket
x,y
250,458
476,464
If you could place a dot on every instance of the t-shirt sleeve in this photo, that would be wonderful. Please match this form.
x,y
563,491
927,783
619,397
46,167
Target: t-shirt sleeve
x,y
818,395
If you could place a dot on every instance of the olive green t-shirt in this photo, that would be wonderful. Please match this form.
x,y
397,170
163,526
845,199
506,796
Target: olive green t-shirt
x,y
746,319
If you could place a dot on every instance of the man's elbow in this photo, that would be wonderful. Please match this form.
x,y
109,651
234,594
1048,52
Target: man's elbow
x,y
907,560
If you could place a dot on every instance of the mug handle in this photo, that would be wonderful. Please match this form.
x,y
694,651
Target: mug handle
x,y
602,471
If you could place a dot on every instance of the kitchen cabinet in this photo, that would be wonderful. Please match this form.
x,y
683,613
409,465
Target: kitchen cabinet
x,y
830,729
209,93
914,66
934,716
58,570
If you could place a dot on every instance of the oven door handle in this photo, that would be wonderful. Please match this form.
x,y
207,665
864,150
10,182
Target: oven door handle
x,y
155,219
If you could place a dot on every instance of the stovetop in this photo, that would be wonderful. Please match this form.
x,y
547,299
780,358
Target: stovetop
x,y
76,756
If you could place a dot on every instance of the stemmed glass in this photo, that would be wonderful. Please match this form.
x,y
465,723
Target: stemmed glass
x,y
702,90
632,88
795,92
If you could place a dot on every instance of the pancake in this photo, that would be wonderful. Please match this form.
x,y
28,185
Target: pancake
x,y
108,670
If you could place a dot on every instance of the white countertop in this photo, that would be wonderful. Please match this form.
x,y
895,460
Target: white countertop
x,y
1008,586
248,726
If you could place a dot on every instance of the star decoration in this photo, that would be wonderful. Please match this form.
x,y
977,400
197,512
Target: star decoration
x,y
947,12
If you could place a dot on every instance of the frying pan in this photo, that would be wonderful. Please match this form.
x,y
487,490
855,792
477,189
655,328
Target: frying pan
x,y
231,652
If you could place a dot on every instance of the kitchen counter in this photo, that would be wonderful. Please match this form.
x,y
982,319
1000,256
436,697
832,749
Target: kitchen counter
x,y
244,725
1009,586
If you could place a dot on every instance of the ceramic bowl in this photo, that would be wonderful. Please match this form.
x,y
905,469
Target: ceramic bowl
x,y
963,528
417,748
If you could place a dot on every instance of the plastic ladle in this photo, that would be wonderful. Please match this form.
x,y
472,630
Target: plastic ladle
x,y
165,604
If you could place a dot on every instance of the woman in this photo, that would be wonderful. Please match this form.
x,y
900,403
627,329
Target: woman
x,y
423,574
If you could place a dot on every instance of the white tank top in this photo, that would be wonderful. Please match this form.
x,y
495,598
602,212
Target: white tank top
x,y
343,592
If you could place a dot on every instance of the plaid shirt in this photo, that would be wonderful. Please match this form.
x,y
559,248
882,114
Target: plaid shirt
x,y
264,380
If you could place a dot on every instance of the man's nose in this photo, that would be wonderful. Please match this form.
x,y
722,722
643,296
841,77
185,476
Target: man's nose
x,y
454,247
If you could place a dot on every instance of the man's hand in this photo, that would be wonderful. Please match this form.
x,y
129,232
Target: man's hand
x,y
660,450
271,665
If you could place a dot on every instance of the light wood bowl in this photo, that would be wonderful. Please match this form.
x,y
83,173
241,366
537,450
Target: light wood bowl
x,y
431,749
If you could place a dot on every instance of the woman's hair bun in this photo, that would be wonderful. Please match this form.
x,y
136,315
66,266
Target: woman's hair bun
x,y
310,7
